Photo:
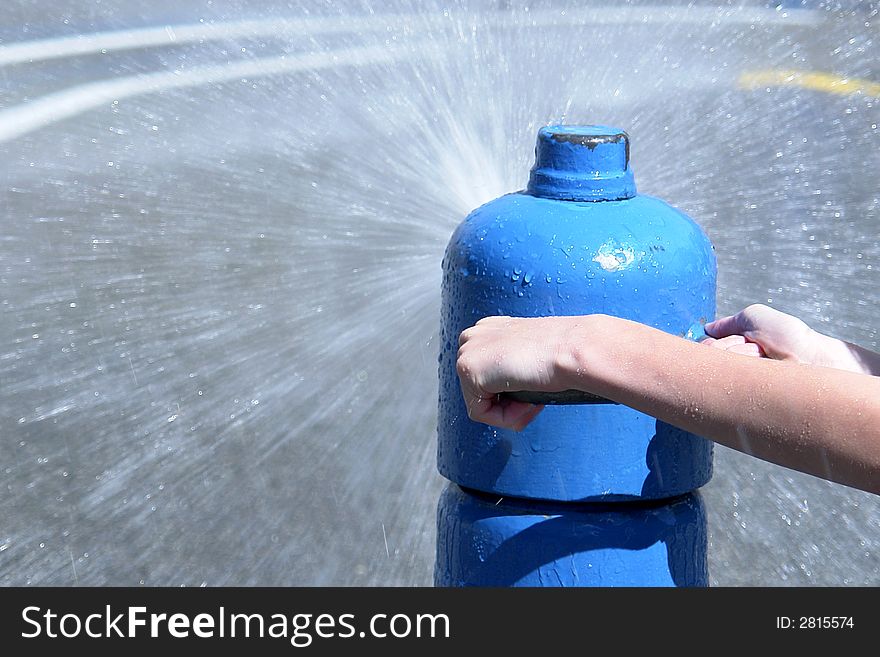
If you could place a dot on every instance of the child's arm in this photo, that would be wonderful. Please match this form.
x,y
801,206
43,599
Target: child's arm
x,y
810,418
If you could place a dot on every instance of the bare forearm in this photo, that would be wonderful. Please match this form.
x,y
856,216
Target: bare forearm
x,y
846,356
814,419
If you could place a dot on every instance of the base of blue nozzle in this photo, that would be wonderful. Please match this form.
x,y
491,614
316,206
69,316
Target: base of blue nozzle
x,y
489,541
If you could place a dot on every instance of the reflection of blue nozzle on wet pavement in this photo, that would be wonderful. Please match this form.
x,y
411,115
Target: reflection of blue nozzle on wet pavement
x,y
579,240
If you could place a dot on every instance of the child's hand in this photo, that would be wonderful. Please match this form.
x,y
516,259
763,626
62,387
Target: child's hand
x,y
762,331
508,354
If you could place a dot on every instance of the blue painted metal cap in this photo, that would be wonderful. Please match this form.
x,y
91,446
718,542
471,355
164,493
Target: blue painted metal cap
x,y
582,163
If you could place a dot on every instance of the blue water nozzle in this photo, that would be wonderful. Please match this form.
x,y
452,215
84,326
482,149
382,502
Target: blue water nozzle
x,y
578,241
582,163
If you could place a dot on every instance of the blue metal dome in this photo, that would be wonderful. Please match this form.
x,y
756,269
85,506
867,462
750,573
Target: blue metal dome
x,y
577,241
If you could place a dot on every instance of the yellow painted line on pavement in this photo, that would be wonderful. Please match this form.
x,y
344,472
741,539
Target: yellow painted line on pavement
x,y
814,80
